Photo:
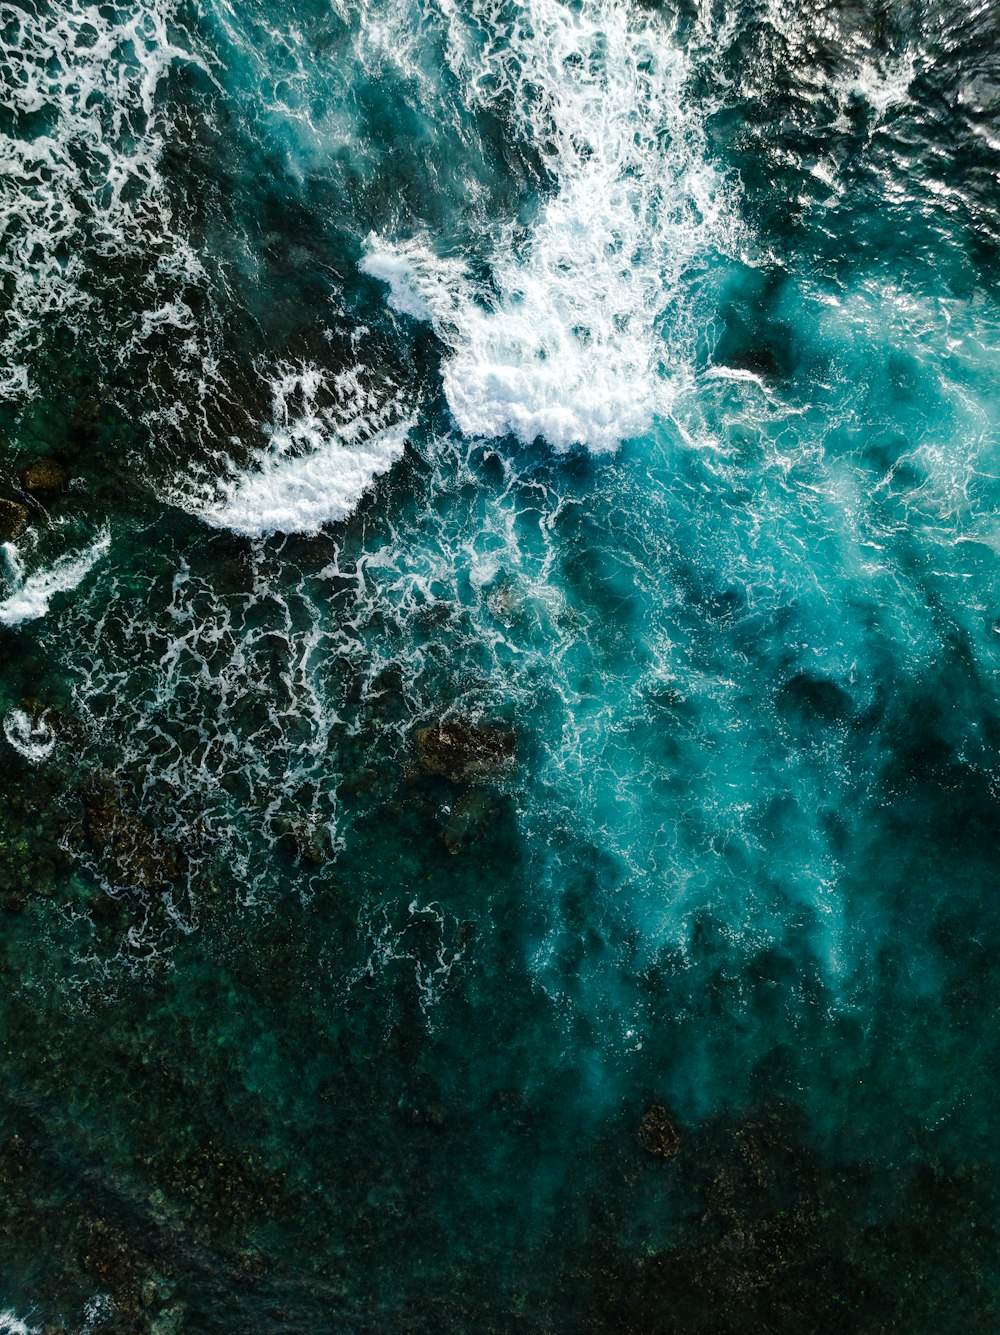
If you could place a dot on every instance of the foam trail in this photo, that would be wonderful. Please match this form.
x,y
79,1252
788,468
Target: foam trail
x,y
33,738
301,494
319,461
583,316
32,594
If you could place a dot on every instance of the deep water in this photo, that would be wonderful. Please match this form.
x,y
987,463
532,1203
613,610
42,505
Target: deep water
x,y
499,668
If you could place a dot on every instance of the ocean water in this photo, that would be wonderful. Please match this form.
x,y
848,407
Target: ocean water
x,y
618,380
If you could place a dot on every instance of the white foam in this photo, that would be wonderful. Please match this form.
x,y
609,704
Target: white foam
x,y
584,319
322,456
88,180
11,1324
31,594
882,85
32,737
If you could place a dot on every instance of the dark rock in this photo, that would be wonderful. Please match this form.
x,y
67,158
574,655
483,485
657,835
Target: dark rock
x,y
814,697
43,715
85,420
105,908
13,520
309,840
169,1322
657,1133
133,855
44,477
106,1255
470,817
465,752
513,1109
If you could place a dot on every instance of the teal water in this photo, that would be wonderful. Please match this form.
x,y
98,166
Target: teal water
x,y
618,380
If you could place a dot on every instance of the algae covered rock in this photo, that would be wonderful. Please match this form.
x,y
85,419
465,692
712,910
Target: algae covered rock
x,y
307,839
13,520
44,477
33,822
132,854
466,752
657,1133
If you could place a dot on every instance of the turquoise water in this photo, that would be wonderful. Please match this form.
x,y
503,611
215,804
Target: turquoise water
x,y
609,387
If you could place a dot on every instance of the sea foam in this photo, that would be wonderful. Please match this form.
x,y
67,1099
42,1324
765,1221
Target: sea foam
x,y
32,737
11,1324
31,594
87,181
330,438
583,331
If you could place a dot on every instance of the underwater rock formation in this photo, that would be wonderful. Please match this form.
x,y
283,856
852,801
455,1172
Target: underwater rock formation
x,y
657,1133
468,820
44,478
132,854
13,520
466,752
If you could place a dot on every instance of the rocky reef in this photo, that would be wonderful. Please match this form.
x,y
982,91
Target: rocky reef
x,y
13,519
466,752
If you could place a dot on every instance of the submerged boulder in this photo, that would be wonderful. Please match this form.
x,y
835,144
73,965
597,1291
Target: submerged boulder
x,y
44,477
307,839
466,752
469,819
657,1133
132,854
13,520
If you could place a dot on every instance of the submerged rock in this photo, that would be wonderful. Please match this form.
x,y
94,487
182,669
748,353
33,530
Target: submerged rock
x,y
44,477
33,822
169,1322
657,1133
470,818
13,520
307,838
85,420
133,855
466,752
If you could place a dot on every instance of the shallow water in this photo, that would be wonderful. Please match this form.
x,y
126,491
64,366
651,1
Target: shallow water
x,y
620,377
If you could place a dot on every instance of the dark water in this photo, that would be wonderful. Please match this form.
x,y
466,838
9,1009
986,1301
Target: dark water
x,y
500,781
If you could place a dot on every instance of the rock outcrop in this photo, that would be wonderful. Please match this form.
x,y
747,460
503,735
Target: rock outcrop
x,y
657,1133
13,520
131,853
466,752
44,477
469,819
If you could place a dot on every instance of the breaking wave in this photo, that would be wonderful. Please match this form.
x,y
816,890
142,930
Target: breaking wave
x,y
31,594
586,324
320,460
